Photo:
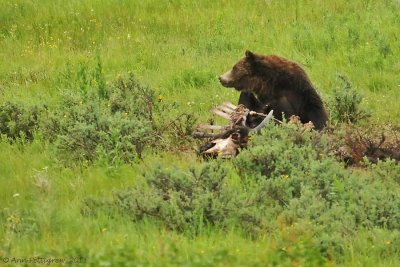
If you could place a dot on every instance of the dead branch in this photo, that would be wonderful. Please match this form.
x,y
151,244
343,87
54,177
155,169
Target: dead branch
x,y
204,135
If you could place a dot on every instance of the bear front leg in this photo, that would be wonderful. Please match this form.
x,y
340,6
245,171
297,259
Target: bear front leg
x,y
251,102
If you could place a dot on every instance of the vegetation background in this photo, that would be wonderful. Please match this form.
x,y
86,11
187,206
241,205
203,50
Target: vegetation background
x,y
78,77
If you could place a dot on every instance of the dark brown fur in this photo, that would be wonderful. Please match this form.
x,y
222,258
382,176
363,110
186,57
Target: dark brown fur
x,y
280,84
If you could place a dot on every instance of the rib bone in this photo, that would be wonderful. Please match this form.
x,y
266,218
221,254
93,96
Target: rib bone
x,y
220,113
229,105
211,127
225,109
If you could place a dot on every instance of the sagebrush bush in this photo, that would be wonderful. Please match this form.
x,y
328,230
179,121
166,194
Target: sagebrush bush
x,y
345,104
94,119
182,127
188,201
285,181
19,120
310,186
386,170
116,122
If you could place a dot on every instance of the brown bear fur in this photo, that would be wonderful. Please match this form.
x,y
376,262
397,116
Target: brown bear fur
x,y
272,82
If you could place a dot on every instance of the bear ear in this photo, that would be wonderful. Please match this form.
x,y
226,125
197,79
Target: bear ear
x,y
250,55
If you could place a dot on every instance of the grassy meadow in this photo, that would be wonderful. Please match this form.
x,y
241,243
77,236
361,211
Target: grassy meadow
x,y
63,195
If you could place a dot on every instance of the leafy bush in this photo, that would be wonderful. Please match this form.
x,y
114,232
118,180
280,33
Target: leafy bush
x,y
179,131
310,187
117,123
288,185
18,223
387,170
288,182
188,201
93,120
18,120
345,105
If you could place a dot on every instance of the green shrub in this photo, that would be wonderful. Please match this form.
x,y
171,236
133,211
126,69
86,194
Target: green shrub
x,y
117,122
19,223
19,120
286,182
93,120
187,201
385,171
179,131
310,187
345,104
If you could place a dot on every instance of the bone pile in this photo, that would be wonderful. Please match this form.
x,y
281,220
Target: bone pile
x,y
228,140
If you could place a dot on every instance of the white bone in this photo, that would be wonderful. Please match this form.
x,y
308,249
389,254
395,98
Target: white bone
x,y
229,105
210,127
223,147
220,113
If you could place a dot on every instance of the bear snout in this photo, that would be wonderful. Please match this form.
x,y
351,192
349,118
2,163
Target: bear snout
x,y
221,80
225,80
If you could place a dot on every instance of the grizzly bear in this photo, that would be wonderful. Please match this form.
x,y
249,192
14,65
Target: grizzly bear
x,y
274,83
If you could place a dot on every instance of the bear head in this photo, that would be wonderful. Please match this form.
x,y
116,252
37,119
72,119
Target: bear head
x,y
243,74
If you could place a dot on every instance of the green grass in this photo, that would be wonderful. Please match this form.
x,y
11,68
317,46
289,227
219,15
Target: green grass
x,y
178,47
